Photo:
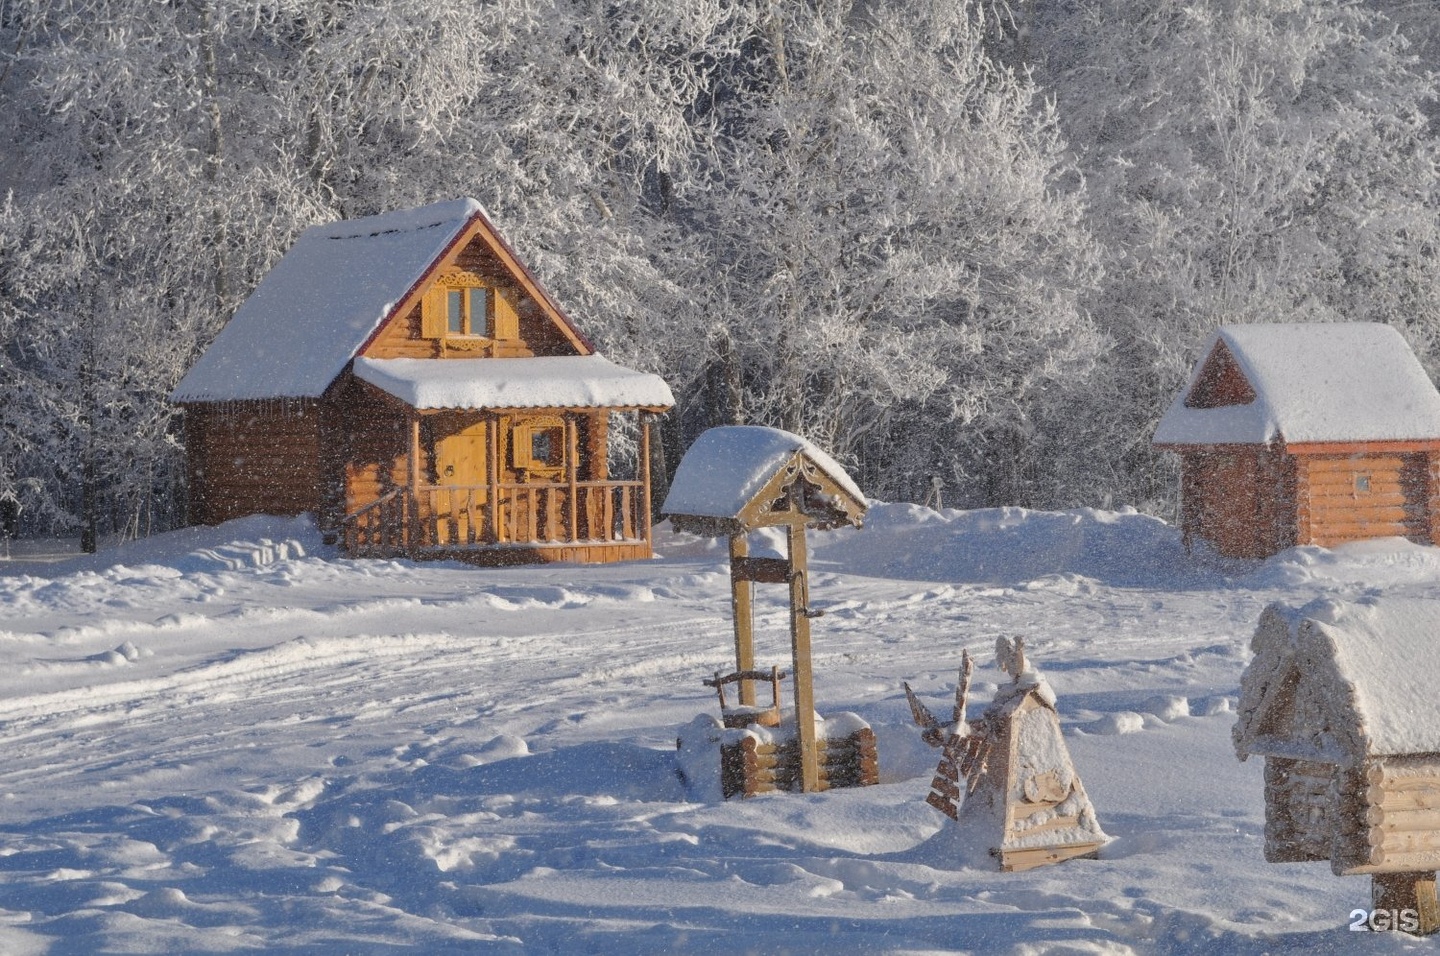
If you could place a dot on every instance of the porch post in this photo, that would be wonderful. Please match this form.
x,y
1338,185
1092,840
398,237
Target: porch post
x,y
492,476
412,511
645,515
572,463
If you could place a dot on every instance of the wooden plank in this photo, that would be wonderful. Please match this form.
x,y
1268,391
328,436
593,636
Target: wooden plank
x,y
1016,861
743,614
761,570
801,674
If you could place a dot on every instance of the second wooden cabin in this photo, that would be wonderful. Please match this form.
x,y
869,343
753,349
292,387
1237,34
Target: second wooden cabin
x,y
405,378
1314,433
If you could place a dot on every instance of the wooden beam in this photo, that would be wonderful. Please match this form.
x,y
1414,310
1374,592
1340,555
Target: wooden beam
x,y
645,477
763,570
412,530
572,458
742,609
801,671
492,474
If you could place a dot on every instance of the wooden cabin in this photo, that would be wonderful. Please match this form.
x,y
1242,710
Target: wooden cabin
x,y
1294,434
405,378
1340,699
734,480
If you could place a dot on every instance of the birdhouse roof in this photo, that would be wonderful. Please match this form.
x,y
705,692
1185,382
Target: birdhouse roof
x,y
730,471
1339,681
556,381
324,300
1303,383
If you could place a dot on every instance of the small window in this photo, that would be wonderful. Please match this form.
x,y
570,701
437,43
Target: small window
x,y
542,447
461,305
1362,484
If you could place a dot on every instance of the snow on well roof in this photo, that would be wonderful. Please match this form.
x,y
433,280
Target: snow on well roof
x,y
727,466
1313,382
555,381
320,303
1369,667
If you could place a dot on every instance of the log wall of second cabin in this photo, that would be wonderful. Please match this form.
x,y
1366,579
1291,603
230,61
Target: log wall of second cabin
x,y
1354,497
1241,500
253,458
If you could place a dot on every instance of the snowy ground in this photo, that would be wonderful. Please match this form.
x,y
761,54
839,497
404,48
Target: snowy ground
x,y
213,745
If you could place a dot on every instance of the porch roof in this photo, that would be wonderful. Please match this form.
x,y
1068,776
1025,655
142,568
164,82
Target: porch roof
x,y
552,381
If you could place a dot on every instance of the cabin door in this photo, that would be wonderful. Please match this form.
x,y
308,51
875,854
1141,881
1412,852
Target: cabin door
x,y
460,472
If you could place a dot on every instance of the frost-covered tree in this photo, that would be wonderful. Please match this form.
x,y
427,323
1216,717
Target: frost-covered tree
x,y
1248,160
892,250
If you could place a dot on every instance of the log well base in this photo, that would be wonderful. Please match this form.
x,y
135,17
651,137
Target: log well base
x,y
749,767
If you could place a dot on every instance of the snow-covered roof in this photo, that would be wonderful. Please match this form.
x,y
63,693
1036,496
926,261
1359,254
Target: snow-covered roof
x,y
727,466
321,302
1342,681
559,381
1313,382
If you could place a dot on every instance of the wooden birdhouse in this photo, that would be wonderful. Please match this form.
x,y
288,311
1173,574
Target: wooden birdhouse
x,y
1022,798
737,479
406,379
1313,433
1340,699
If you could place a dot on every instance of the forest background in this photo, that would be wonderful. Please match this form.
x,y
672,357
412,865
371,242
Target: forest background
x,y
976,239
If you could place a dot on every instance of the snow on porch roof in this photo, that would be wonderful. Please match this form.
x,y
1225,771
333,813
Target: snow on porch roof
x,y
552,381
320,303
726,467
1313,382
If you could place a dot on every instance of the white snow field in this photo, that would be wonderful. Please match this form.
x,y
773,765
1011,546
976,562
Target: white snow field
x,y
229,740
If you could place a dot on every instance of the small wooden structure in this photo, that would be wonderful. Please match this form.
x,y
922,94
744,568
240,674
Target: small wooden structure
x,y
1314,433
1023,799
739,478
405,378
1341,701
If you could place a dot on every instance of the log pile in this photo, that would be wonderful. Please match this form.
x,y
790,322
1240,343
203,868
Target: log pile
x,y
754,762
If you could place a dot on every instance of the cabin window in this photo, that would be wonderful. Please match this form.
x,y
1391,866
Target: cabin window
x,y
467,312
1362,484
539,445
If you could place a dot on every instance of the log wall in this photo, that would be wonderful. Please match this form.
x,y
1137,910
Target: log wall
x,y
1352,498
1241,500
1389,817
1299,810
254,458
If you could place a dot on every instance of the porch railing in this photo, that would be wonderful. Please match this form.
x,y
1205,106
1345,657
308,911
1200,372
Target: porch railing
x,y
487,516
377,528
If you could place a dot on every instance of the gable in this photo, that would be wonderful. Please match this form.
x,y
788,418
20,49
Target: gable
x,y
523,321
1220,382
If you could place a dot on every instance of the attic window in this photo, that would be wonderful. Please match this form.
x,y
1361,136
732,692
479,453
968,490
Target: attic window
x,y
467,310
1220,382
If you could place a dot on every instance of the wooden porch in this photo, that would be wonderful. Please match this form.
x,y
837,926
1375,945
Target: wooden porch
x,y
505,523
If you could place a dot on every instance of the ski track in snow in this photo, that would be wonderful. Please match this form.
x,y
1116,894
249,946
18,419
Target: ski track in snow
x,y
327,756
